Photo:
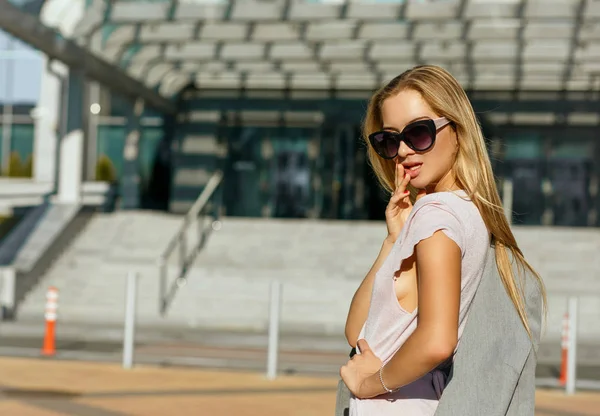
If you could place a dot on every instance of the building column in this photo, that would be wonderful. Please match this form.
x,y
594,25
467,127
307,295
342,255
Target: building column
x,y
48,118
50,112
131,181
267,188
316,170
70,174
326,166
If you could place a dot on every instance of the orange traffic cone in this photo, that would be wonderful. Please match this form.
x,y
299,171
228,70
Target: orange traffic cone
x,y
49,347
565,350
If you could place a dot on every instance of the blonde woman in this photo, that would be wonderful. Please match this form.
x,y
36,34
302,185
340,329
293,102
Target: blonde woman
x,y
407,317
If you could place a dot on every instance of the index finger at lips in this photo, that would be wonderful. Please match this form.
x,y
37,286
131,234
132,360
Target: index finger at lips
x,y
403,182
399,174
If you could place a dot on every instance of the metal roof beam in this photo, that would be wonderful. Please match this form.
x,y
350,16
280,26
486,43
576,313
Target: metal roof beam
x,y
31,30
470,68
574,42
520,47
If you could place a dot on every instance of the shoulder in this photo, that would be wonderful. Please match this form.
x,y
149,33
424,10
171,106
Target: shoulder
x,y
455,200
456,204
441,211
444,204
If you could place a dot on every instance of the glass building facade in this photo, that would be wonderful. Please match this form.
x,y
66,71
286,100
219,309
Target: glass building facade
x,y
312,164
298,154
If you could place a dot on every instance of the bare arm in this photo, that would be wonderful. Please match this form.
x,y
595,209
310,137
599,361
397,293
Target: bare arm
x,y
359,307
396,213
435,338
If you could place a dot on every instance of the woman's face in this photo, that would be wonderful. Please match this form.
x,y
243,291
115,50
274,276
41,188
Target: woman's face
x,y
432,169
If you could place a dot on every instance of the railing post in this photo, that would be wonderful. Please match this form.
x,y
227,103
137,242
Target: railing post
x,y
200,228
179,242
129,333
274,314
162,284
182,247
572,349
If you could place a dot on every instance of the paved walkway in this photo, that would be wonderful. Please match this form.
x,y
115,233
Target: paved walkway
x,y
37,387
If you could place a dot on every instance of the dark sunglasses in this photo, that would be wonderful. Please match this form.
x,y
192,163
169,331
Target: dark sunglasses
x,y
419,136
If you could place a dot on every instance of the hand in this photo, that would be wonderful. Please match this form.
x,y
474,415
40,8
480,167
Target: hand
x,y
361,373
399,207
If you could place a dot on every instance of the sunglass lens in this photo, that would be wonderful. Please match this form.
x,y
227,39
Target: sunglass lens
x,y
419,136
385,144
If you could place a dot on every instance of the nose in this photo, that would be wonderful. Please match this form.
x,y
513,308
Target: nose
x,y
404,150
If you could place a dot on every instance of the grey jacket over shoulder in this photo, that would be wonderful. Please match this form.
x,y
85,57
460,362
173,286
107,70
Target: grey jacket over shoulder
x,y
493,373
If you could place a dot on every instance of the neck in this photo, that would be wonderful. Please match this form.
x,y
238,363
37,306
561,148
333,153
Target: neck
x,y
446,183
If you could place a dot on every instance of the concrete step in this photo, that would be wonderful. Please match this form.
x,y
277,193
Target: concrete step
x,y
320,264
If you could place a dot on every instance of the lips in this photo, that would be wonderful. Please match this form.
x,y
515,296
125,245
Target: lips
x,y
413,169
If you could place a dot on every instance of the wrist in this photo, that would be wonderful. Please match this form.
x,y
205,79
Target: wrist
x,y
382,382
390,240
373,386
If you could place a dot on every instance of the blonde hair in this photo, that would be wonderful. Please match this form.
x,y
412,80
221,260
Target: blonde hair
x,y
472,167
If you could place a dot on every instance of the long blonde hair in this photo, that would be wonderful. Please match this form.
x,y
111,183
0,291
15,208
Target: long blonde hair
x,y
472,167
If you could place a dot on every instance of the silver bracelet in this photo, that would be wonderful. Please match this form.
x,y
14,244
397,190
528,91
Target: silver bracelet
x,y
382,383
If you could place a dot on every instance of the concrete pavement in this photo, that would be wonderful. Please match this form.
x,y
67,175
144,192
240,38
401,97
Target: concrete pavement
x,y
47,387
299,353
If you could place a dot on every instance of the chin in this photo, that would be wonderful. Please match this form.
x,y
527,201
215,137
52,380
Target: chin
x,y
419,183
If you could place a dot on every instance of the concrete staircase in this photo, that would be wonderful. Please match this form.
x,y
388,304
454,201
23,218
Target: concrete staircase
x,y
33,245
320,263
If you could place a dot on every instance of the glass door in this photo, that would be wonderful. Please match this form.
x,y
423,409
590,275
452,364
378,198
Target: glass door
x,y
524,158
241,191
291,173
270,172
570,170
346,189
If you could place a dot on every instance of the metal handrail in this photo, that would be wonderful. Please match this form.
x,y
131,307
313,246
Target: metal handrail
x,y
179,240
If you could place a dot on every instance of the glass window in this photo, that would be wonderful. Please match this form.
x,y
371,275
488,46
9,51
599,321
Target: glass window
x,y
22,140
21,146
572,150
111,140
291,174
523,146
569,171
523,164
20,71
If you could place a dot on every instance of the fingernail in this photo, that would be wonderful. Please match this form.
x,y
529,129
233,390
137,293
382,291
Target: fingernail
x,y
407,192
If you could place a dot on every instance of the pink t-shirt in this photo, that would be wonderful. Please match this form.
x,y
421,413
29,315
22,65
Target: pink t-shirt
x,y
388,325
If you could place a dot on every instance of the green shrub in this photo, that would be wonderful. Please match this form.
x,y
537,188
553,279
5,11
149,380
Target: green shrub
x,y
105,170
28,167
16,168
15,165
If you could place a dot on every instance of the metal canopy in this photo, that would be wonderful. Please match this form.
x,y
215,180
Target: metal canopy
x,y
348,45
29,29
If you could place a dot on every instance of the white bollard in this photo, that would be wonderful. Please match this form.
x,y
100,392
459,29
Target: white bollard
x,y
130,307
572,351
274,312
7,294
